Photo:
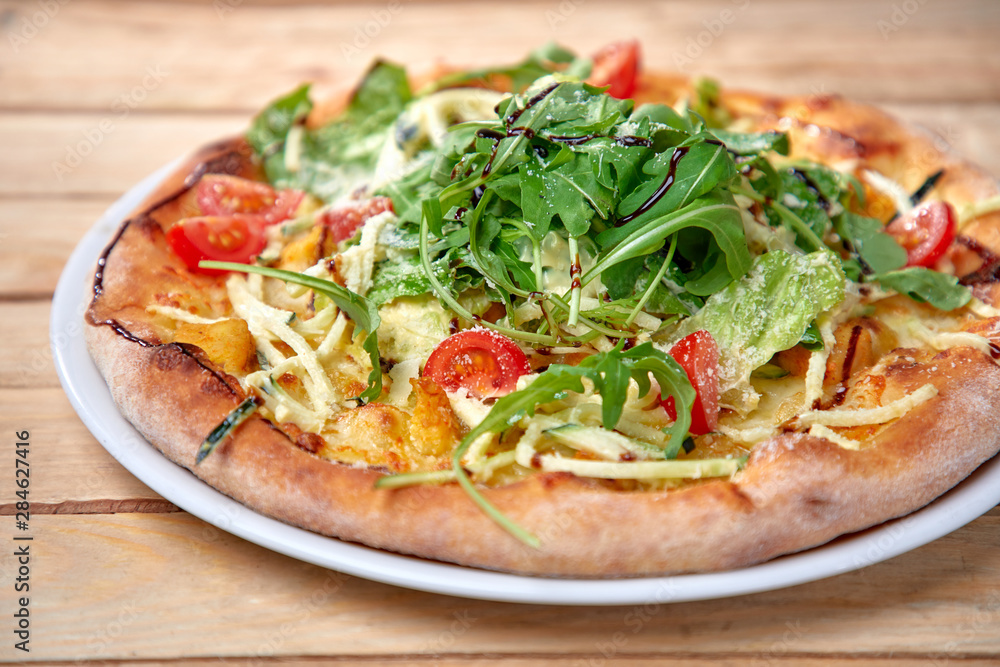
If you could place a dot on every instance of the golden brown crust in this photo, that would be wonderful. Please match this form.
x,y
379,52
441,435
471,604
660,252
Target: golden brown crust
x,y
795,492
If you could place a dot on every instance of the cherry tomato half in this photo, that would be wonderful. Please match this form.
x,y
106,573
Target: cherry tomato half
x,y
925,232
617,66
484,362
698,355
231,238
345,220
221,195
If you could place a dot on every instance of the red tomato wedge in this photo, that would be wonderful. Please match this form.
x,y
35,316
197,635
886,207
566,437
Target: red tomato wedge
x,y
231,238
617,66
482,361
221,195
925,232
346,219
698,355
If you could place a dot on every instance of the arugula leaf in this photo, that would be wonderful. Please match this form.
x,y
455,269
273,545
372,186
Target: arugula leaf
x,y
717,213
921,284
706,103
751,143
879,251
610,373
547,59
697,168
673,381
362,311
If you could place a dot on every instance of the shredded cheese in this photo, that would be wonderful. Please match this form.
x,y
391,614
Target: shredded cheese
x,y
749,436
293,148
182,315
263,319
401,374
981,309
688,469
357,262
817,363
865,416
891,189
821,431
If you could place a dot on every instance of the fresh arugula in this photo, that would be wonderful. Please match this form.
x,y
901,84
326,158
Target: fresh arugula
x,y
921,284
616,183
610,373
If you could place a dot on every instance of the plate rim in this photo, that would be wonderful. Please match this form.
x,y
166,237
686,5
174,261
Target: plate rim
x,y
962,504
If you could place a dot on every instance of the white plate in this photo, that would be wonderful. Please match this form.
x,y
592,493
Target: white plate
x,y
91,399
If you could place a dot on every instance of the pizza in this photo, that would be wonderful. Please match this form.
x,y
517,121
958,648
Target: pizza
x,y
564,317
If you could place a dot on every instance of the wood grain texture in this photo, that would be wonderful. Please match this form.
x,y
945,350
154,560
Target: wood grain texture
x,y
98,153
26,356
229,598
45,231
67,463
591,660
847,50
124,576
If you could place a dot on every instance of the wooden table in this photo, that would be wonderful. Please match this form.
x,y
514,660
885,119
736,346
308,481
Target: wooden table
x,y
95,95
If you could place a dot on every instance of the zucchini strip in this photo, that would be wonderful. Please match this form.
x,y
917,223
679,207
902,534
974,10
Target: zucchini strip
x,y
226,427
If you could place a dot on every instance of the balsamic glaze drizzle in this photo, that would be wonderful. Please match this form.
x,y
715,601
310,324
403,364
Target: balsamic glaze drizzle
x,y
812,187
675,159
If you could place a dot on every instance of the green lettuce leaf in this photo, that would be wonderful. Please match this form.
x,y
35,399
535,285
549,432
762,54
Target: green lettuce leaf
x,y
339,156
768,310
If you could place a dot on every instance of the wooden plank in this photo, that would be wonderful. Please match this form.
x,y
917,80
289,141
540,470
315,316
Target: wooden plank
x,y
45,231
197,55
591,660
39,146
228,598
98,153
67,463
26,356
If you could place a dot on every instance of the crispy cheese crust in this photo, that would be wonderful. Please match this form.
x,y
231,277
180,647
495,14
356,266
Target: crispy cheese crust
x,y
796,491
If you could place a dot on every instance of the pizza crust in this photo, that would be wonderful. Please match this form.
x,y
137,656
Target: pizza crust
x,y
795,492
